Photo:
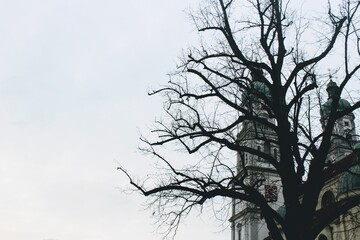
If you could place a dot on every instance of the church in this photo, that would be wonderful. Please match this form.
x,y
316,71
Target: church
x,y
342,173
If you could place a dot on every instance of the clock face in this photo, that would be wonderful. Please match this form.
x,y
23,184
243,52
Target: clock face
x,y
271,194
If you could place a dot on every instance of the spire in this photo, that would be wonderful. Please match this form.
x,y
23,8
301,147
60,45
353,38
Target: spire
x,y
332,88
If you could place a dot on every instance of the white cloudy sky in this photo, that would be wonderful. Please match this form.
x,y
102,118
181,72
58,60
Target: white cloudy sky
x,y
73,81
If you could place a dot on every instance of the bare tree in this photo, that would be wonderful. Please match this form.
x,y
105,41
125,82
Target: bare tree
x,y
255,54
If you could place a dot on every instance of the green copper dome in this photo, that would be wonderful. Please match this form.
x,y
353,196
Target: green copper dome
x,y
261,88
350,180
342,105
331,85
255,90
333,91
257,87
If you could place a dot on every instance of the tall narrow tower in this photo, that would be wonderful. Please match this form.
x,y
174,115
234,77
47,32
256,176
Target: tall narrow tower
x,y
246,221
344,134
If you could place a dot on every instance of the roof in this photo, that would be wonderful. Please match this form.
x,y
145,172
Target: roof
x,y
350,180
342,105
255,91
340,166
333,92
350,168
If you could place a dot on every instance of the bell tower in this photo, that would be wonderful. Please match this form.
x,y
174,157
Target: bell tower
x,y
344,134
246,221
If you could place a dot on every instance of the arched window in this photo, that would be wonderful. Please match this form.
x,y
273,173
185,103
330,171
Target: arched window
x,y
267,147
275,153
322,237
327,199
239,226
347,124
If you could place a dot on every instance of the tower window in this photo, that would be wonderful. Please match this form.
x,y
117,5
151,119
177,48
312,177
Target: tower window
x,y
346,123
327,199
322,237
275,152
267,147
239,231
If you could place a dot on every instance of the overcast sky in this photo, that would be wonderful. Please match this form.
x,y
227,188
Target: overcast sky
x,y
73,81
74,76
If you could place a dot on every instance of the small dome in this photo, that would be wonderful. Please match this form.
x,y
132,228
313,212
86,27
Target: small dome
x,y
331,84
350,180
257,86
342,105
261,88
333,92
332,89
255,90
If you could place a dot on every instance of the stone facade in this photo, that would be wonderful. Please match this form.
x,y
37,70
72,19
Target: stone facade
x,y
246,220
342,174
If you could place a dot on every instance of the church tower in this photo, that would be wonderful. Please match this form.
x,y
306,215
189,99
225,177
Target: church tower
x,y
246,221
344,134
